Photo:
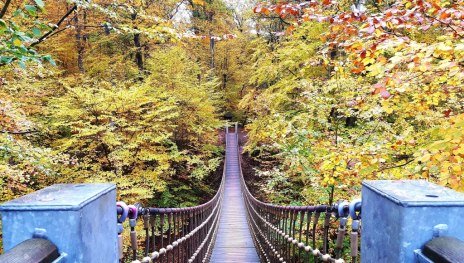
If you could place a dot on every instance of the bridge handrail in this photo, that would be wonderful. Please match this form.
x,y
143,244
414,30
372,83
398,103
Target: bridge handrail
x,y
35,250
444,249
182,234
279,234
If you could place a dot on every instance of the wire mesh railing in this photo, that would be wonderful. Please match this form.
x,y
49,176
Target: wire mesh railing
x,y
302,233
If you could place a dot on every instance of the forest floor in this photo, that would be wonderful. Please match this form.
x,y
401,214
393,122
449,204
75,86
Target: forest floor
x,y
248,168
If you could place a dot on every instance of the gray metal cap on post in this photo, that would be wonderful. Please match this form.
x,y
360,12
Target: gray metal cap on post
x,y
79,219
400,216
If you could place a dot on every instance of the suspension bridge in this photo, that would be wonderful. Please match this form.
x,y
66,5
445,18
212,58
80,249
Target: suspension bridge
x,y
236,227
234,242
233,226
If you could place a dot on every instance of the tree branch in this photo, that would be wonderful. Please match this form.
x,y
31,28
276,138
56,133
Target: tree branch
x,y
5,7
444,24
396,166
19,132
175,10
57,25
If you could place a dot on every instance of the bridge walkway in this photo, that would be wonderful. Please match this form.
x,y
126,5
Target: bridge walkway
x,y
234,243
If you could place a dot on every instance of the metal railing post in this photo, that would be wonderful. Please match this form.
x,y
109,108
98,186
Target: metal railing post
x,y
79,219
400,216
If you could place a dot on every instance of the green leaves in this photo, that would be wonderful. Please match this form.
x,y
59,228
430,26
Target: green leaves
x,y
32,10
16,36
36,32
3,26
49,59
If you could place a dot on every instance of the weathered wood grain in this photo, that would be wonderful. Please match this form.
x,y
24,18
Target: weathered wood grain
x,y
233,243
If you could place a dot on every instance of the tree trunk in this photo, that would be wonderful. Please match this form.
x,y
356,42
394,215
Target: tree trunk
x,y
211,49
80,43
138,47
138,52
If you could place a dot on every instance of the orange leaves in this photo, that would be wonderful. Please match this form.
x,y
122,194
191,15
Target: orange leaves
x,y
290,29
380,88
444,15
326,2
199,2
358,69
282,10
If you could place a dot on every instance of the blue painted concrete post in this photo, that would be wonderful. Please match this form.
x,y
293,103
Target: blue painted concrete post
x,y
399,217
80,219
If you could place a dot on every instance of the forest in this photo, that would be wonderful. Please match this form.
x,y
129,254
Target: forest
x,y
329,93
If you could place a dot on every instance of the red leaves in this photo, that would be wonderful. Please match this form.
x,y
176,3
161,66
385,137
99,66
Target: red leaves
x,y
363,54
348,27
447,112
403,14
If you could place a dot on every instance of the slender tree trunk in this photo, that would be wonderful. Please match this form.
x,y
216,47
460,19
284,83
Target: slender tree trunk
x,y
138,52
138,47
211,49
80,43
225,70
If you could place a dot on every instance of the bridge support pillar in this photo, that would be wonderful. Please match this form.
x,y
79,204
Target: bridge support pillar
x,y
399,217
79,219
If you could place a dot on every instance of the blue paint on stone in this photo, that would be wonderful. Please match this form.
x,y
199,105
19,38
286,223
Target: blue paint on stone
x,y
80,219
399,217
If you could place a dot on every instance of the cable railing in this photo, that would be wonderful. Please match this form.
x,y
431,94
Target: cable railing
x,y
171,234
280,233
301,233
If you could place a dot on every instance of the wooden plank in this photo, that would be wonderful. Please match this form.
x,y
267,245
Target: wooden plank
x,y
234,243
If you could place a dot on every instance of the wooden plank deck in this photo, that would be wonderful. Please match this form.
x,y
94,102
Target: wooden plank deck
x,y
233,242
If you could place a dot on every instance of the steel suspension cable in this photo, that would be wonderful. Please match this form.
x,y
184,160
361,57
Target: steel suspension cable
x,y
280,233
176,234
295,233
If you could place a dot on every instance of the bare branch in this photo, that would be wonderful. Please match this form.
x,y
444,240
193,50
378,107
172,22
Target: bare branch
x,y
396,166
5,7
19,132
57,25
